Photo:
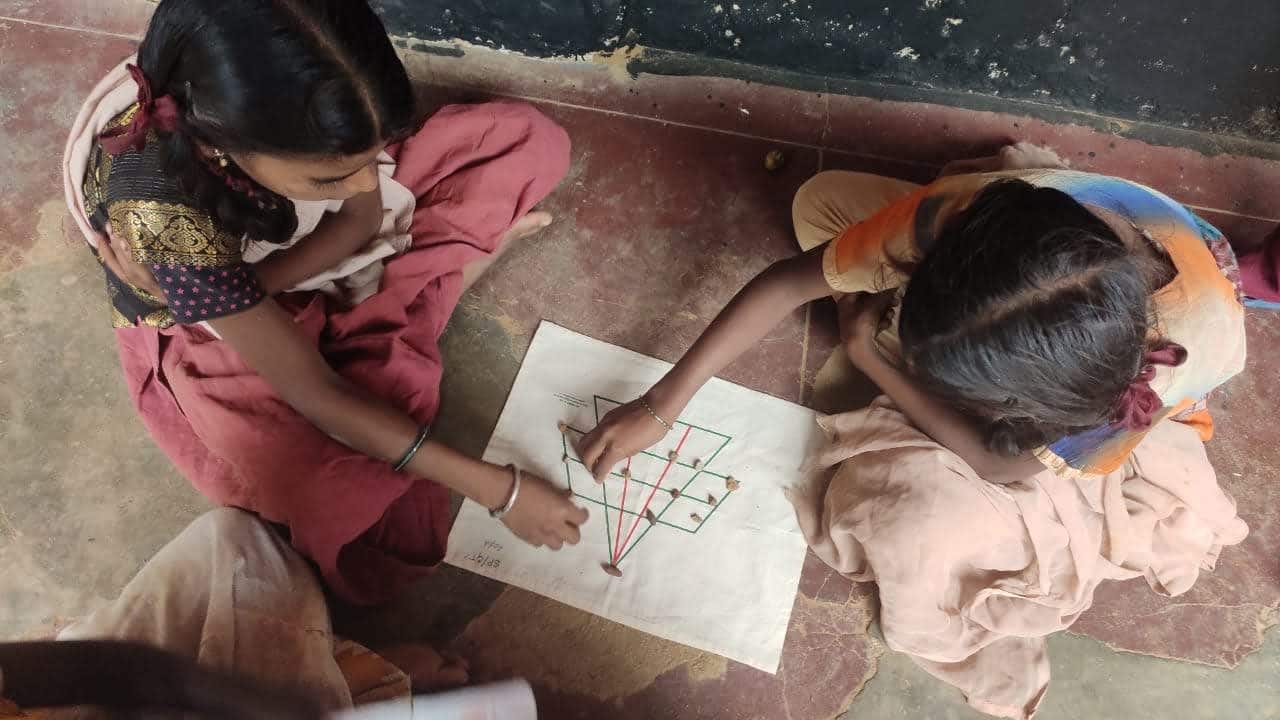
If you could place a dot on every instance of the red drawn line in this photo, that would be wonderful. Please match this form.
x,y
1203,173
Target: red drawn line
x,y
626,476
652,492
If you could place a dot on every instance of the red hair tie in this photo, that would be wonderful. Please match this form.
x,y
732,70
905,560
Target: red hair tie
x,y
160,113
1138,405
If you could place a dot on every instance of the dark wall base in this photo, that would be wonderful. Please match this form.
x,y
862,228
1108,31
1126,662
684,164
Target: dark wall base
x,y
1207,66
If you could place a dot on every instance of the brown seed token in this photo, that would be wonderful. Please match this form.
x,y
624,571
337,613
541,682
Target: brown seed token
x,y
695,517
711,499
697,464
648,515
730,484
564,427
673,456
774,160
626,473
674,492
611,569
564,458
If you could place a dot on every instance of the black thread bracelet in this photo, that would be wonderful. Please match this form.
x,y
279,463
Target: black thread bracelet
x,y
413,449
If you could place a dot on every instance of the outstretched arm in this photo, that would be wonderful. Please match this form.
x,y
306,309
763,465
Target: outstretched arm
x,y
269,342
752,313
267,339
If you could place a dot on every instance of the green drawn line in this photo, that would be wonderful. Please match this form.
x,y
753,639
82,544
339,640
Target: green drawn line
x,y
673,500
656,456
714,508
568,476
682,493
726,439
634,479
677,422
633,514
608,534
687,465
660,521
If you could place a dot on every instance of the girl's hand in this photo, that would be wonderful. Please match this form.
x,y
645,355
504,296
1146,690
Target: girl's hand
x,y
624,431
862,317
116,257
1013,156
1028,156
543,513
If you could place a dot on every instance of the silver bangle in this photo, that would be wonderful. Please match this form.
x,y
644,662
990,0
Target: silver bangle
x,y
413,449
645,404
498,512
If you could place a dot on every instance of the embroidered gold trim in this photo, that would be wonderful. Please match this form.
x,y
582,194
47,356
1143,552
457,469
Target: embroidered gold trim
x,y
146,296
1058,465
170,233
99,169
95,180
161,319
125,117
118,320
1050,459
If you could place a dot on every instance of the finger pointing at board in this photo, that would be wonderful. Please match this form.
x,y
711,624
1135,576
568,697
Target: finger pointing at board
x,y
624,431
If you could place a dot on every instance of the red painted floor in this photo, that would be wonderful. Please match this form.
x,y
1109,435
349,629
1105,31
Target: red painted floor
x,y
666,212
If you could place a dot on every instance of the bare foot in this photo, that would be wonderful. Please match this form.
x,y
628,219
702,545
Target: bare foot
x,y
527,225
427,669
524,227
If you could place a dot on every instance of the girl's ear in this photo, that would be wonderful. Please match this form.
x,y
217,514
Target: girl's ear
x,y
1002,438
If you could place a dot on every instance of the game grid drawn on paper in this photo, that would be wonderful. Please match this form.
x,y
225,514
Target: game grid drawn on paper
x,y
682,495
691,540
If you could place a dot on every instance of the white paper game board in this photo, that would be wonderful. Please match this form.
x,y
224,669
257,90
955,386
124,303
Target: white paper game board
x,y
713,565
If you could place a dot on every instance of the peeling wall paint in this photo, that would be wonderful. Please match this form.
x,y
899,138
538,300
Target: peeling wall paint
x,y
1184,63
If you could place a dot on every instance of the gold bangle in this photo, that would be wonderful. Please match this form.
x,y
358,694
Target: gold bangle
x,y
645,404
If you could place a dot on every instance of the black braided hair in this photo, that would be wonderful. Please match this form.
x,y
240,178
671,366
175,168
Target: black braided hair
x,y
283,77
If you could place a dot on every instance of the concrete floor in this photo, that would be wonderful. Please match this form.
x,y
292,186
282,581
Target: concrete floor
x,y
667,193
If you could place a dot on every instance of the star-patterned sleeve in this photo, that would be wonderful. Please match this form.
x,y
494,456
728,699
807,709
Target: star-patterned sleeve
x,y
196,293
198,266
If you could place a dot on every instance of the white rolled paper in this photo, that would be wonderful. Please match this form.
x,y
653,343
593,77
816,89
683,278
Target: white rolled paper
x,y
510,700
